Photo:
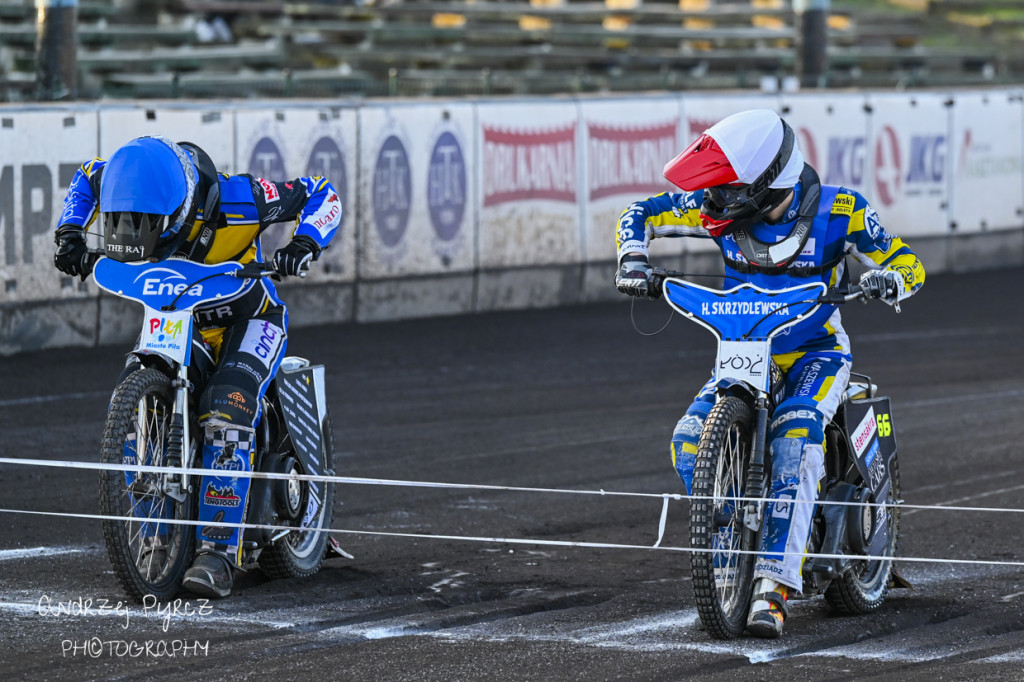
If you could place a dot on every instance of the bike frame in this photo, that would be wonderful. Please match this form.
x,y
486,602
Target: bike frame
x,y
169,291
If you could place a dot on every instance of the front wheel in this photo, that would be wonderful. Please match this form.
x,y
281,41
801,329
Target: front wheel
x,y
863,587
300,553
722,578
148,552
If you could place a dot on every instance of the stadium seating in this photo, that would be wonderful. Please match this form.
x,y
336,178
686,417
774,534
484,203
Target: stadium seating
x,y
217,48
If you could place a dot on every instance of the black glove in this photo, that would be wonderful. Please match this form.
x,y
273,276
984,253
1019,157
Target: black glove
x,y
634,276
884,284
293,259
72,255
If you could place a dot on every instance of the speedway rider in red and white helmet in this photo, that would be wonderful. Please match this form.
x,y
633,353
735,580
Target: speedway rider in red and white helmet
x,y
746,186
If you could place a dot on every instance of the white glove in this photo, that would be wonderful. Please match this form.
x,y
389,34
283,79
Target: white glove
x,y
884,284
633,277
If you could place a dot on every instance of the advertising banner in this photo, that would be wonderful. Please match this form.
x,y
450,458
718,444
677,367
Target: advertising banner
x,y
529,183
985,145
42,149
909,162
832,133
212,129
283,144
626,146
416,190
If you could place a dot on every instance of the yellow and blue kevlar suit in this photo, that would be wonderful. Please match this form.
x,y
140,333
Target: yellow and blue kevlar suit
x,y
241,341
814,355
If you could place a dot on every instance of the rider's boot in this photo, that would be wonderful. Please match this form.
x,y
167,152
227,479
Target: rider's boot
x,y
768,610
210,576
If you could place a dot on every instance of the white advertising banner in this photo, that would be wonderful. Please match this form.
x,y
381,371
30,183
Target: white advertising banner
x,y
626,145
986,146
416,190
42,149
286,143
908,154
212,129
529,183
832,132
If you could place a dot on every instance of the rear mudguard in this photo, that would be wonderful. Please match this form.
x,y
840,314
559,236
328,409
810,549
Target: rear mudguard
x,y
298,401
866,427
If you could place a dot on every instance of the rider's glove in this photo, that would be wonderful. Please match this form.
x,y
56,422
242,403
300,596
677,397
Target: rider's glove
x,y
72,255
294,258
884,284
633,277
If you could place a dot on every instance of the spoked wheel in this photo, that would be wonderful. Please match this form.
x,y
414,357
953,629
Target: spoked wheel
x,y
149,555
300,553
722,579
863,588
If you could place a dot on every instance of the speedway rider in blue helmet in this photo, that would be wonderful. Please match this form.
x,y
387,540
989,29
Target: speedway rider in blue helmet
x,y
157,199
746,186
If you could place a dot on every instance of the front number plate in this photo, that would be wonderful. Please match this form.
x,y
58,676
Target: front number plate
x,y
747,361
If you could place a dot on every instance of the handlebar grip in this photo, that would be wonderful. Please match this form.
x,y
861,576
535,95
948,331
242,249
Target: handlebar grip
x,y
254,270
835,296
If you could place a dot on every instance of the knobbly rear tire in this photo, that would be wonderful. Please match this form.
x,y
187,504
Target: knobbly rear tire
x,y
149,392
722,594
301,554
864,587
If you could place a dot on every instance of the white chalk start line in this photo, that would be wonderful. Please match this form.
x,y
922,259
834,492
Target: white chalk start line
x,y
676,630
34,552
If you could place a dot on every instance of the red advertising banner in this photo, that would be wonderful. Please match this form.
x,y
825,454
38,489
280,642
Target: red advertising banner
x,y
629,160
524,165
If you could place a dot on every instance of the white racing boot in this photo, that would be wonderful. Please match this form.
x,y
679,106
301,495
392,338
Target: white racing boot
x,y
768,609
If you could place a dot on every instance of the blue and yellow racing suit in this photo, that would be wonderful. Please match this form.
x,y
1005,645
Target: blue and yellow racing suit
x,y
814,355
242,340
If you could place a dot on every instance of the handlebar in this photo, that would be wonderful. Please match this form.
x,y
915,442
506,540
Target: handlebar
x,y
254,270
834,296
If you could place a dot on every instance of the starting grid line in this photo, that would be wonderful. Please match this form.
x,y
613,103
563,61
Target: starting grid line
x,y
665,497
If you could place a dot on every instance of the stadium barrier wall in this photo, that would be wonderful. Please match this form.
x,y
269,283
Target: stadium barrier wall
x,y
462,206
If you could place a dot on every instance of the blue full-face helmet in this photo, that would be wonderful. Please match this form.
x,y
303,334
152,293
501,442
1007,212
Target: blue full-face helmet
x,y
147,199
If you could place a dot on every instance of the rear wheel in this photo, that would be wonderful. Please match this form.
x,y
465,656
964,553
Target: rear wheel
x,y
863,587
722,579
149,554
300,553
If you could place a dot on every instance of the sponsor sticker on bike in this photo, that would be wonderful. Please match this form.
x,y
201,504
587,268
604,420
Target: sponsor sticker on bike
x,y
744,361
166,333
862,436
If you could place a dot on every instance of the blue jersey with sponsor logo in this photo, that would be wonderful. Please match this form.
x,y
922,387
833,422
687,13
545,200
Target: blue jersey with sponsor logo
x,y
844,224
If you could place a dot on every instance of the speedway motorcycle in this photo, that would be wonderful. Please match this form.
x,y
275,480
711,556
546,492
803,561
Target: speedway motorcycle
x,y
152,422
855,526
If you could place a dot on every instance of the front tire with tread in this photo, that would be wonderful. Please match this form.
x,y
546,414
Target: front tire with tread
x,y
722,579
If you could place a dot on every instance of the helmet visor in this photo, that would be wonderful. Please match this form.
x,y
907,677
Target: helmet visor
x,y
132,236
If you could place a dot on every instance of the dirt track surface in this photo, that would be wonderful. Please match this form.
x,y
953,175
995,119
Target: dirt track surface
x,y
564,399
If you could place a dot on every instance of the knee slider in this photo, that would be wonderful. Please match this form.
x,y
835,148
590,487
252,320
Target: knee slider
x,y
798,418
229,404
690,426
685,438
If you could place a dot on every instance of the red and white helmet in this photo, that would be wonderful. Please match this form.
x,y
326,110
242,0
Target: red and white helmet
x,y
746,164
